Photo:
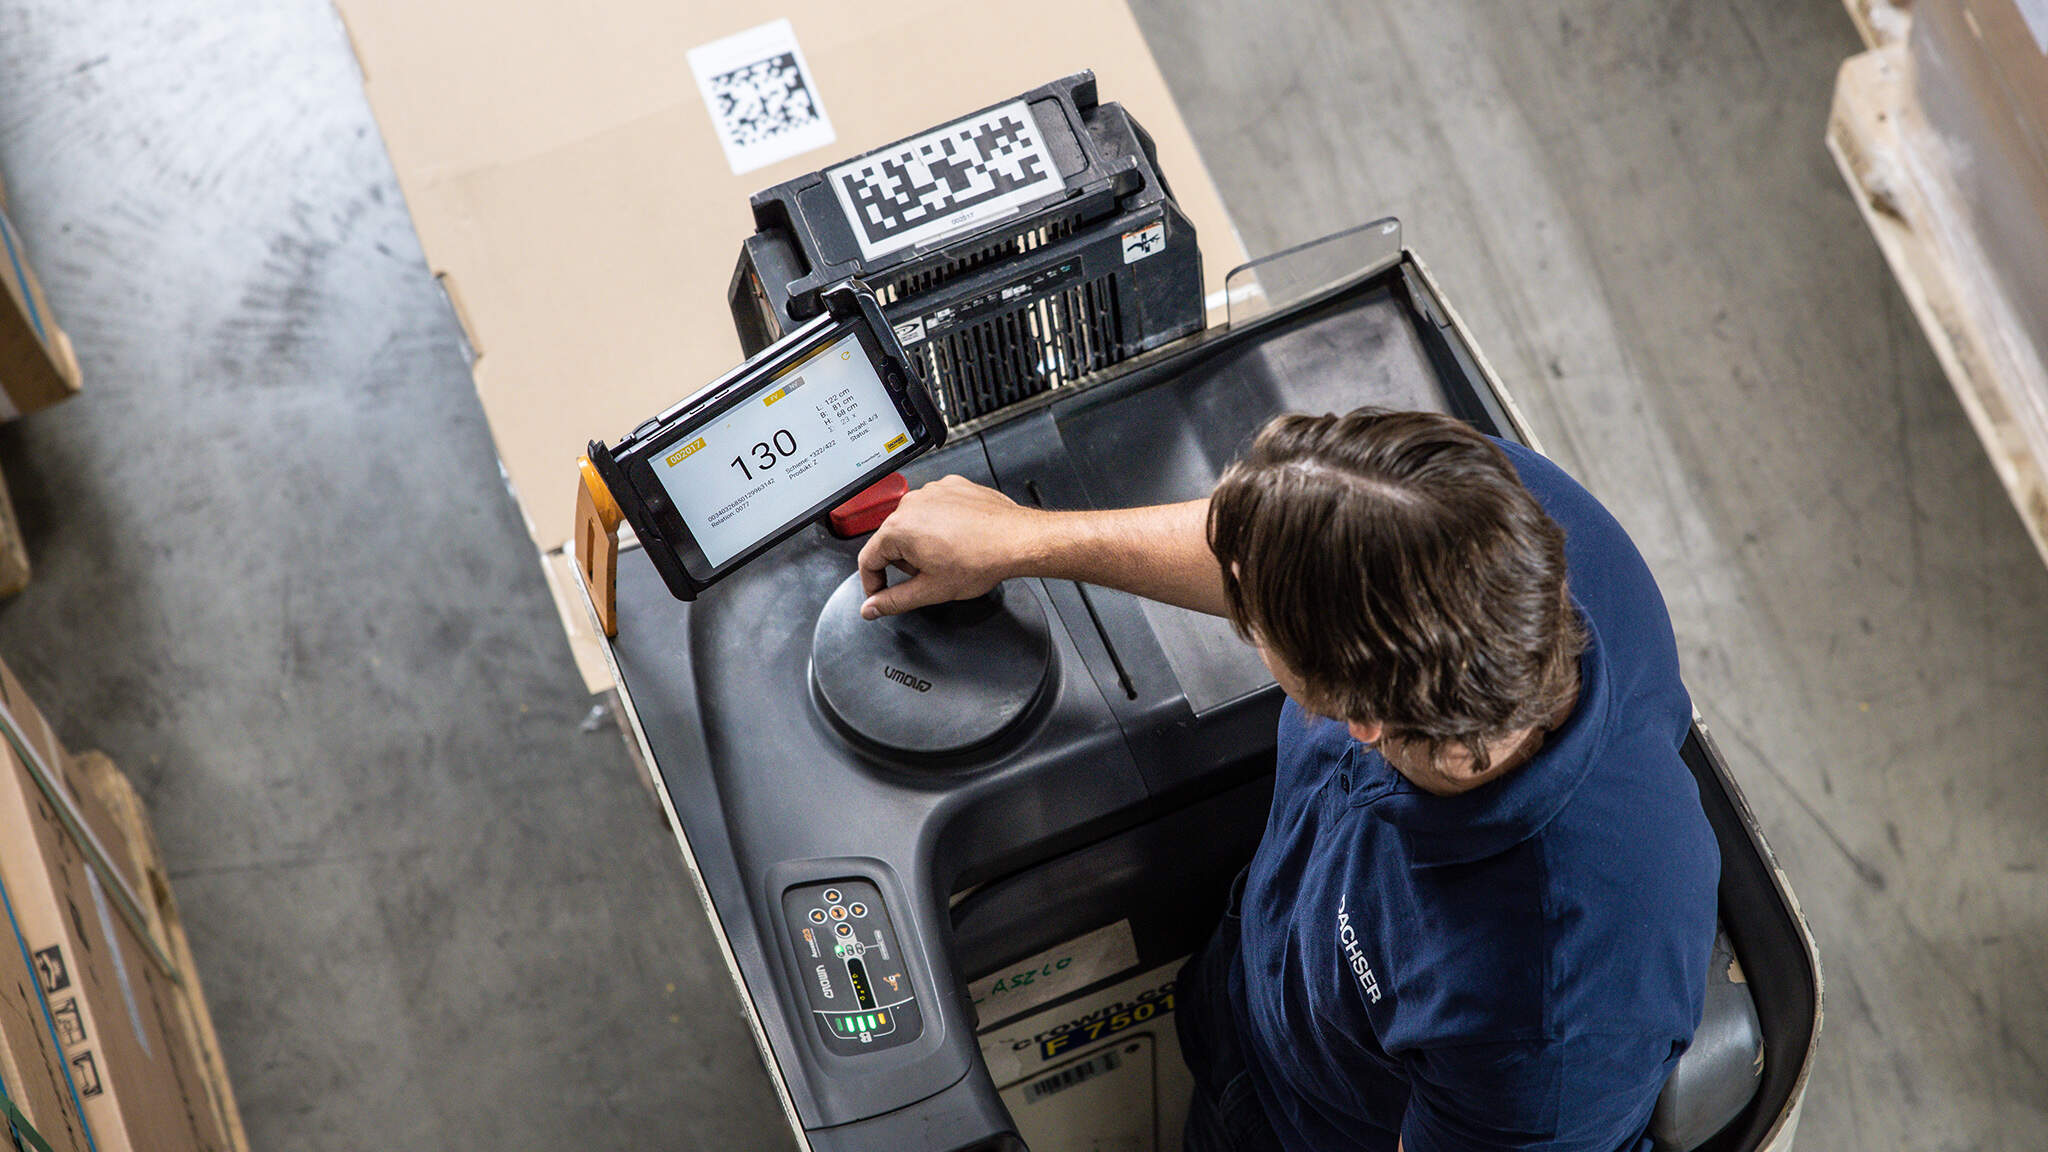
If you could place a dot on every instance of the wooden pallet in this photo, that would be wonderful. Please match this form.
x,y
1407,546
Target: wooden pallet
x,y
14,565
97,774
1895,164
1880,22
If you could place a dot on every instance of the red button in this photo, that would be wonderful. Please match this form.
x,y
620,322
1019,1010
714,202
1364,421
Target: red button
x,y
872,505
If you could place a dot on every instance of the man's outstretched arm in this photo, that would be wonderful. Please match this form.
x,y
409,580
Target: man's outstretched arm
x,y
958,539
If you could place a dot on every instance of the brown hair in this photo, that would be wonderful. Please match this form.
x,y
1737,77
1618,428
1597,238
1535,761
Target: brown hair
x,y
1395,563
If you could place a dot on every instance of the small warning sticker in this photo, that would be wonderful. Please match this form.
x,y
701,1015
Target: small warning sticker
x,y
910,331
85,1074
1147,241
50,969
70,1023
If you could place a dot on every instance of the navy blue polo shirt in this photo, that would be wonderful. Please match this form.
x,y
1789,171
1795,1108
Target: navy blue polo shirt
x,y
1517,966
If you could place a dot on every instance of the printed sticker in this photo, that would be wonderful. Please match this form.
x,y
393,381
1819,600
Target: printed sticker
x,y
1071,1027
1053,973
1147,241
763,99
70,1023
50,969
85,1074
1073,1075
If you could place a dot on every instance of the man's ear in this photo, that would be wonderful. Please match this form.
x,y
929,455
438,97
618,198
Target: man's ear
x,y
1366,733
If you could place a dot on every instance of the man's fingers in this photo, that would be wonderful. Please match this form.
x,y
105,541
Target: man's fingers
x,y
875,558
872,580
912,593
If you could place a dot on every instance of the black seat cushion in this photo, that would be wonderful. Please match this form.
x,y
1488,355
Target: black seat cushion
x,y
1719,1074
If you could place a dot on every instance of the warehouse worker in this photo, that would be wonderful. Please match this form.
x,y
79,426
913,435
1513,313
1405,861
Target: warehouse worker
x,y
1481,913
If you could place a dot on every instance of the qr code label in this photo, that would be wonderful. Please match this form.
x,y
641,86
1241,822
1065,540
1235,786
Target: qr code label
x,y
947,180
763,100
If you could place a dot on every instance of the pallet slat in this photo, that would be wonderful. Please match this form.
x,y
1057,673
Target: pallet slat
x,y
1894,163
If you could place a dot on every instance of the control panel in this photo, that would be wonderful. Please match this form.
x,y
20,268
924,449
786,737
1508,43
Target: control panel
x,y
852,965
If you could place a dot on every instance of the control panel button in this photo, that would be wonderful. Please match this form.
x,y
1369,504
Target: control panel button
x,y
855,984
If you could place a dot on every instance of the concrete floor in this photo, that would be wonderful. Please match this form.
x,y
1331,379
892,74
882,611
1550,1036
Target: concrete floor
x,y
279,580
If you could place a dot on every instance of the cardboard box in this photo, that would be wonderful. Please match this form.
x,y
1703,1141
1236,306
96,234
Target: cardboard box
x,y
91,812
33,1072
140,1088
37,366
575,194
105,794
1101,1070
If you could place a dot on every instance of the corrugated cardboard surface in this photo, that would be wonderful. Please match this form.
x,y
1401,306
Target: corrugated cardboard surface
x,y
31,1067
37,367
107,796
566,179
139,1086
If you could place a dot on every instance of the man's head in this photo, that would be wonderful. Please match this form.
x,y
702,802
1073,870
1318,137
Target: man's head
x,y
1395,566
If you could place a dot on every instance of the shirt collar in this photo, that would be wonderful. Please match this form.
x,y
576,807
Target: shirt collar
x,y
1503,812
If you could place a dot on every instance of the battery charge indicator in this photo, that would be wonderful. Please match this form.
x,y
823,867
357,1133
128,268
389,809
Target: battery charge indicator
x,y
866,1023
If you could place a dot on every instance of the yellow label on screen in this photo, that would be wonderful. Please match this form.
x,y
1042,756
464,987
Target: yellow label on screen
x,y
772,397
676,457
898,442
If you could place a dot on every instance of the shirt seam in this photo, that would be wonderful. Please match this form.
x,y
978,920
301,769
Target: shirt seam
x,y
1551,933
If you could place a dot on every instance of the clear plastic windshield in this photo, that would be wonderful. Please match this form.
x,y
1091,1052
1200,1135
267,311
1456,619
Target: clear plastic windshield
x,y
1271,283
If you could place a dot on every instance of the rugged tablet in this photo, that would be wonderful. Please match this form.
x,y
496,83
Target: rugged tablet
x,y
771,446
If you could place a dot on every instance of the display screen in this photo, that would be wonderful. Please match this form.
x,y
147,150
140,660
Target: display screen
x,y
812,429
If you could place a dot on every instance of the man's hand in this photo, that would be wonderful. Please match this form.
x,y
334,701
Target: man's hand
x,y
958,539
954,537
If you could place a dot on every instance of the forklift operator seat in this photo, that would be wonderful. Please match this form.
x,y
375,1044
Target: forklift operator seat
x,y
1718,1076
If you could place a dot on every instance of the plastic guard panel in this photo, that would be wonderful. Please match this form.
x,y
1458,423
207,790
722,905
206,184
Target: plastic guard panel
x,y
860,996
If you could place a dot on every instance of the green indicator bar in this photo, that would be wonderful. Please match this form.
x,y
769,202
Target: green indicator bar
x,y
871,1023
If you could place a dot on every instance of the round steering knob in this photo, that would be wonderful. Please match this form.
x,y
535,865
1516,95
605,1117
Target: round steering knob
x,y
934,682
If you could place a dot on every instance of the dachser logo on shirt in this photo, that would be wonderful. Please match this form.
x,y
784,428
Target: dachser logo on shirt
x,y
1347,936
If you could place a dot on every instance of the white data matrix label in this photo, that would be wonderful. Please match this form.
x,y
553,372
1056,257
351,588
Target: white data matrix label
x,y
763,100
967,173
